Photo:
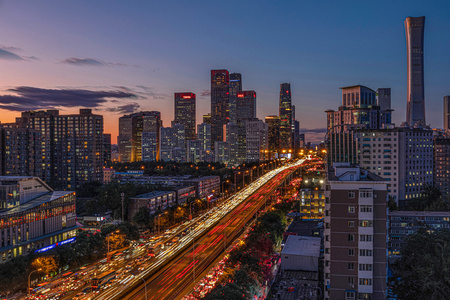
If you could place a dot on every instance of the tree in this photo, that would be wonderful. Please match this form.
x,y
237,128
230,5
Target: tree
x,y
423,271
142,217
46,263
392,204
229,291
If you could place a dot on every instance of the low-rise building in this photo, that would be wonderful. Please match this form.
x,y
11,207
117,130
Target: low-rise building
x,y
33,217
301,253
312,203
207,186
404,223
157,200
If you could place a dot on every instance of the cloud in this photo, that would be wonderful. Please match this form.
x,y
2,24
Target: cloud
x,y
83,62
24,98
8,55
150,93
205,93
125,109
314,130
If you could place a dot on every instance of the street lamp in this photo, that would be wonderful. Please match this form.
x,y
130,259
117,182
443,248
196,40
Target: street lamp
x,y
29,281
145,286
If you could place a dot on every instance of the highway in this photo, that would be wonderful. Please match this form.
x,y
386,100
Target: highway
x,y
177,266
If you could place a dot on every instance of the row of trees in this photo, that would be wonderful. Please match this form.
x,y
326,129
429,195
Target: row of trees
x,y
245,270
89,247
173,215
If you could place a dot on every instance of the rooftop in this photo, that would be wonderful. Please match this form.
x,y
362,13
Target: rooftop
x,y
302,245
35,202
152,194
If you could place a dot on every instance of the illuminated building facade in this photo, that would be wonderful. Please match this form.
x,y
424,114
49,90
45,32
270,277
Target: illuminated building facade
x,y
257,140
220,82
235,87
415,109
72,146
185,113
285,112
131,128
441,168
106,147
273,123
33,217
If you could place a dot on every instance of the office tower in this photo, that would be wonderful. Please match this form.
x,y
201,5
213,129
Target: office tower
x,y
447,113
222,152
204,135
107,147
257,140
235,87
72,146
149,146
359,110
34,217
220,82
173,143
20,151
302,140
246,109
295,135
207,118
232,137
130,133
403,156
442,165
355,234
285,116
185,113
194,151
273,123
415,108
384,99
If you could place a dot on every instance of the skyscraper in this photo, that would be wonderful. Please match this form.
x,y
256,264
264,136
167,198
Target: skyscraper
x,y
446,112
107,147
274,135
235,87
285,116
220,81
257,140
207,118
415,109
185,113
246,109
131,128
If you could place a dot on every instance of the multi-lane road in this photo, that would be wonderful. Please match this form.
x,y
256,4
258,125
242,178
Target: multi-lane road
x,y
200,249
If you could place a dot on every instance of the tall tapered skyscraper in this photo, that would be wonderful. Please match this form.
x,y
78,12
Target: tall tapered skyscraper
x,y
285,116
220,81
415,109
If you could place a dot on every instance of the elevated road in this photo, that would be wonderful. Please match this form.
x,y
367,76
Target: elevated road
x,y
177,267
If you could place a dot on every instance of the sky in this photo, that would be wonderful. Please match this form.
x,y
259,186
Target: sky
x,y
118,57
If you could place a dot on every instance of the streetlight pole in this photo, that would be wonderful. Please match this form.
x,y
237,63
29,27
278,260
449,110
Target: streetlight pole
x,y
145,286
29,281
123,211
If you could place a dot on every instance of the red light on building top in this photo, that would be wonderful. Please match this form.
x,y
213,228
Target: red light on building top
x,y
240,95
187,97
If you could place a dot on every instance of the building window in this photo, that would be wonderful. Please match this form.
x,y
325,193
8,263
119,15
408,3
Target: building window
x,y
351,209
366,208
351,194
351,266
351,223
365,281
351,237
365,252
365,267
365,193
351,280
349,295
351,252
365,223
365,238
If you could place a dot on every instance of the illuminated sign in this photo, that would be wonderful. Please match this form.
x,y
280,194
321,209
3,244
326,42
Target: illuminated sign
x,y
71,240
240,95
186,97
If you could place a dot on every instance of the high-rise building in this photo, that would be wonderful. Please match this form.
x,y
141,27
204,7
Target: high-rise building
x,y
257,140
355,234
72,146
194,151
222,152
384,99
185,113
415,109
107,147
232,137
204,135
131,128
273,123
20,151
150,150
285,116
359,110
246,109
220,82
447,113
207,118
403,156
442,165
235,87
173,143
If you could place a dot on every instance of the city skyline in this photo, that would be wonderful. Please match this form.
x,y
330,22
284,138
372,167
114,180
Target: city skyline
x,y
130,53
